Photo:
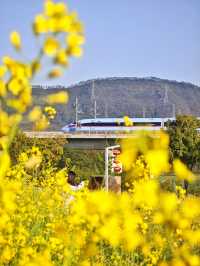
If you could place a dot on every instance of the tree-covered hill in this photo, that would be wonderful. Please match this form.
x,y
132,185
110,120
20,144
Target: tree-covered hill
x,y
116,97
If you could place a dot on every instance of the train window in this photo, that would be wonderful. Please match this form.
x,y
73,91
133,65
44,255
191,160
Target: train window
x,y
149,124
114,124
99,124
144,124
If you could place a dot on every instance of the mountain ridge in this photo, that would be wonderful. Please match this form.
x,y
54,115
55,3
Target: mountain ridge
x,y
132,78
119,96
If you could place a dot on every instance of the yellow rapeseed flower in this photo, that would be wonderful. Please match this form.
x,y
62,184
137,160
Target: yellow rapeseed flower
x,y
7,254
190,207
50,111
49,8
55,73
4,163
146,192
2,88
3,70
182,172
15,86
169,203
56,98
51,46
54,9
42,123
157,161
127,121
40,24
52,25
75,51
64,23
35,66
35,114
61,58
8,61
15,40
74,40
33,161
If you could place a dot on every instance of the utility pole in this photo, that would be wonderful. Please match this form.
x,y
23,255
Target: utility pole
x,y
76,110
173,110
143,112
95,109
106,109
93,92
93,100
166,98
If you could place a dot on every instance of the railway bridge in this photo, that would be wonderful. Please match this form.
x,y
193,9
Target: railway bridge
x,y
82,140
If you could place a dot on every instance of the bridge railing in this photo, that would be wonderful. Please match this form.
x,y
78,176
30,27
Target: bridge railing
x,y
87,133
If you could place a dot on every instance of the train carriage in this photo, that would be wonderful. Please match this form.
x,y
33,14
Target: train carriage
x,y
116,125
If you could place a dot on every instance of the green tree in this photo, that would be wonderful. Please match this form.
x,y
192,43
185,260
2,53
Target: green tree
x,y
184,141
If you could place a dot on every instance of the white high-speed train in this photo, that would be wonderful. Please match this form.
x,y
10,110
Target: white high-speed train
x,y
116,124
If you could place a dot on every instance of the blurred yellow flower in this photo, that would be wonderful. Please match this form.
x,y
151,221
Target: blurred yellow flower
x,y
182,172
7,254
55,73
42,123
4,163
54,9
15,40
15,86
75,51
127,121
61,58
190,208
8,61
35,114
158,161
146,192
50,111
2,88
33,161
3,70
51,46
169,203
74,40
40,24
35,66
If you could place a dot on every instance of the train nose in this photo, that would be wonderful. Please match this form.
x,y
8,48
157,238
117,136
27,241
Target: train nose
x,y
65,129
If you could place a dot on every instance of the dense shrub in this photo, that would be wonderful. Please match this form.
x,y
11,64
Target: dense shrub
x,y
84,163
52,149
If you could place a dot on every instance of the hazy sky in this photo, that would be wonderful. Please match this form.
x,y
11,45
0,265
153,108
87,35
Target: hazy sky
x,y
124,38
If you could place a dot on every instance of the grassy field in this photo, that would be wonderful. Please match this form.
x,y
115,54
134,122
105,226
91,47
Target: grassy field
x,y
168,182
